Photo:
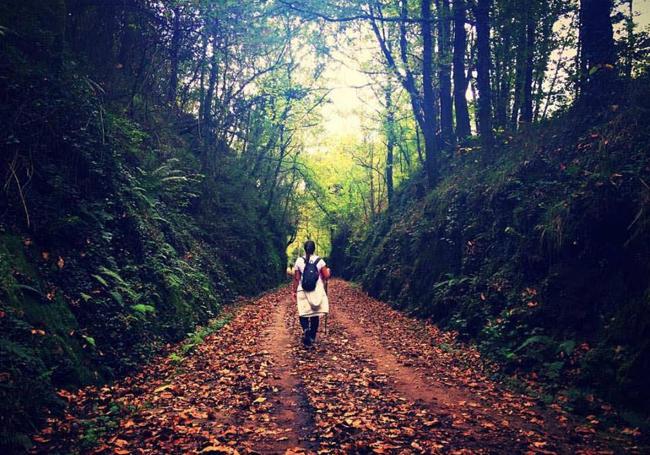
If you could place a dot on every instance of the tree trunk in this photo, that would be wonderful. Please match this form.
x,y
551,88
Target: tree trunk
x,y
209,94
202,94
429,99
275,181
597,56
483,78
418,146
373,206
206,107
630,38
520,64
544,48
444,73
460,80
390,141
527,107
474,93
174,56
423,104
503,76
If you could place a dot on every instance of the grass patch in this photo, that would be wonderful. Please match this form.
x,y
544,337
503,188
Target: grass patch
x,y
197,337
94,429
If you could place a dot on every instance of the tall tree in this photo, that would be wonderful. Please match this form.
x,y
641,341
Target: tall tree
x,y
597,52
390,138
444,72
504,28
460,79
423,100
482,14
630,39
174,55
206,102
428,99
527,98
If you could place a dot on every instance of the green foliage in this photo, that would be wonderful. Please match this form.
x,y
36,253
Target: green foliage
x,y
112,243
197,337
176,358
540,257
92,430
143,309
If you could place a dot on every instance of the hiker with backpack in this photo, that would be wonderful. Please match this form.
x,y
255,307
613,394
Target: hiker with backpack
x,y
310,291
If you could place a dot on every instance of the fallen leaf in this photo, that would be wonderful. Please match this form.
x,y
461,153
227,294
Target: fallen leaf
x,y
163,388
220,449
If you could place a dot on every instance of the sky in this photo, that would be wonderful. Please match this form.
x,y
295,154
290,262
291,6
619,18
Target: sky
x,y
643,7
351,95
350,92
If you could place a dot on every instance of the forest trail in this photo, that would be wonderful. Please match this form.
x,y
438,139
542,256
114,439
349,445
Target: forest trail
x,y
376,382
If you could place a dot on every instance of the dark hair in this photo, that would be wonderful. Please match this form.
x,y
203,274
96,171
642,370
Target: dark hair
x,y
310,247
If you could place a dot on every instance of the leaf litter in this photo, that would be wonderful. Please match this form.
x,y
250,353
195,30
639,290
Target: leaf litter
x,y
376,381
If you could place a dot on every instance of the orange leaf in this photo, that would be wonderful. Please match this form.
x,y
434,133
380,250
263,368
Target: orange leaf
x,y
220,448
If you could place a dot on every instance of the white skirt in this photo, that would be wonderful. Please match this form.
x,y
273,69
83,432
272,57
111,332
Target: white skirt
x,y
314,303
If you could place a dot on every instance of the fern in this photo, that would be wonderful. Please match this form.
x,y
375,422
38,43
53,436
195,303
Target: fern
x,y
143,309
116,276
29,288
117,297
89,340
535,339
101,280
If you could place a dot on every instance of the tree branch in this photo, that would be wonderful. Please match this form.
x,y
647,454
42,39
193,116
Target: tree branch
x,y
352,18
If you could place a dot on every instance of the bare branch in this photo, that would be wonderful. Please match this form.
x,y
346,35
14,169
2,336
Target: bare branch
x,y
352,18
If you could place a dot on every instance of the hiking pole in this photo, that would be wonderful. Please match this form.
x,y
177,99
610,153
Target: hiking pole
x,y
327,315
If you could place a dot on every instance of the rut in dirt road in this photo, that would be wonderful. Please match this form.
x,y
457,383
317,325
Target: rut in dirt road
x,y
376,382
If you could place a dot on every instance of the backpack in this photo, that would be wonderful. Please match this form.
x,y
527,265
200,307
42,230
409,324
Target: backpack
x,y
310,275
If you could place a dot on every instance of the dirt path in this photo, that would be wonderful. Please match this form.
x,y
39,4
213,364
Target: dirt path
x,y
376,382
413,370
289,405
406,380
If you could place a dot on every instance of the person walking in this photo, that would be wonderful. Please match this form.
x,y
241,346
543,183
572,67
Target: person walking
x,y
310,291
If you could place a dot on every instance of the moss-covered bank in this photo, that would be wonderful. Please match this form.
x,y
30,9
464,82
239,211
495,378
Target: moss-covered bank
x,y
112,243
542,257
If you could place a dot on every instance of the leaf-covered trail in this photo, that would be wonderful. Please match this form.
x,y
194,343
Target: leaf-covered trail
x,y
377,382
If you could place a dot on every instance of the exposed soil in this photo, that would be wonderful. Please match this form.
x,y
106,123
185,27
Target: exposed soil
x,y
290,409
375,382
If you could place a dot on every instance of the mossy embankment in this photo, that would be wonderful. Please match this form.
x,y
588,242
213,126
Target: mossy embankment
x,y
541,256
113,243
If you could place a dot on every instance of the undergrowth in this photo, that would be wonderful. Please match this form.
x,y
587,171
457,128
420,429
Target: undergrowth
x,y
197,337
112,243
540,257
